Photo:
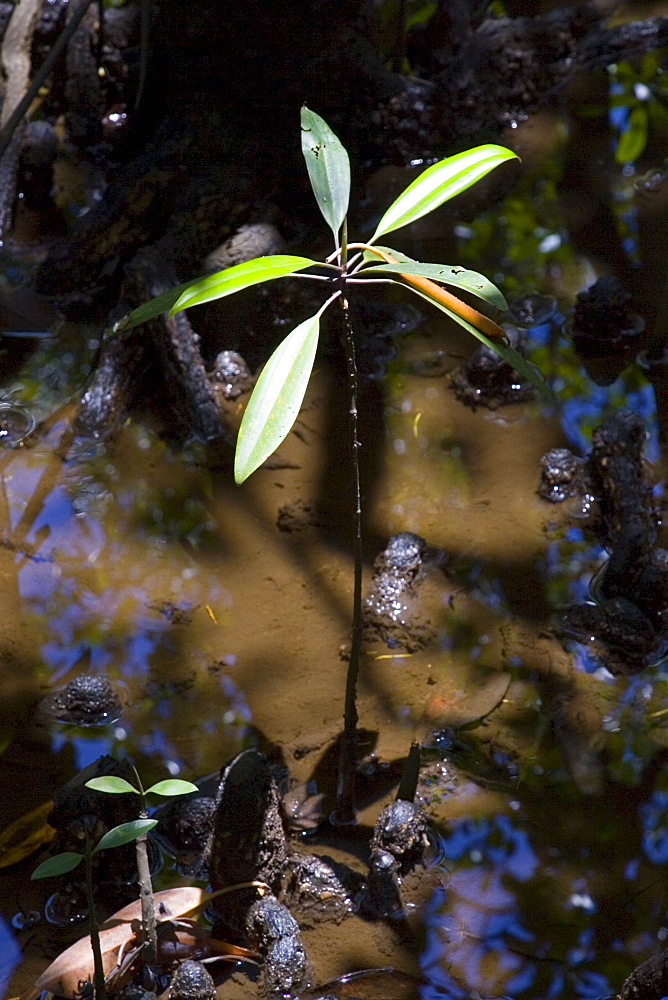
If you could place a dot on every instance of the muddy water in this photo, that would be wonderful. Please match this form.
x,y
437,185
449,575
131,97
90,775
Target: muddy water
x,y
146,564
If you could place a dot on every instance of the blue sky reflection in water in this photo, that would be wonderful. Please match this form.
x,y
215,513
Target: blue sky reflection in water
x,y
474,923
10,955
540,922
478,937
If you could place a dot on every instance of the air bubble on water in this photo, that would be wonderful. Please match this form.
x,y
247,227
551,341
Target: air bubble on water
x,y
16,423
22,921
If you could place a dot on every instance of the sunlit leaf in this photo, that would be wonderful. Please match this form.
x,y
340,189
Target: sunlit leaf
x,y
59,865
22,837
154,307
212,286
277,397
124,834
521,364
114,786
439,183
328,169
633,141
458,277
234,279
172,786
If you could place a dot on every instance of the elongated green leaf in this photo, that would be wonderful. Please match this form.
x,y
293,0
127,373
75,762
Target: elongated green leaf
x,y
234,279
328,169
154,307
172,786
114,786
439,183
458,277
521,364
59,865
277,397
124,834
212,286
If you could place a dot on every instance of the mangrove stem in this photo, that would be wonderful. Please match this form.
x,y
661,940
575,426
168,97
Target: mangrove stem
x,y
150,951
345,792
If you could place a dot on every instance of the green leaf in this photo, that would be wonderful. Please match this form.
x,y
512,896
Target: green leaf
x,y
149,310
234,279
633,141
124,834
114,786
328,169
275,401
212,286
521,364
58,865
458,277
172,786
439,183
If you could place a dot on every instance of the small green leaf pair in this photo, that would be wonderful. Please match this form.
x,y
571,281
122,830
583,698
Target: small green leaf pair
x,y
68,860
119,786
125,833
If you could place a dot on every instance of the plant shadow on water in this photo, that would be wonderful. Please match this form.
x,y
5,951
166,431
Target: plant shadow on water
x,y
223,613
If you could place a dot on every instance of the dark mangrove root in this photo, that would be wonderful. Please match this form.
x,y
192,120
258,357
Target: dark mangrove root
x,y
410,774
345,793
104,403
649,981
628,624
167,345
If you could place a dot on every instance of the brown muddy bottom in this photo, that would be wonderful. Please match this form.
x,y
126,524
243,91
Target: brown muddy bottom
x,y
147,566
221,617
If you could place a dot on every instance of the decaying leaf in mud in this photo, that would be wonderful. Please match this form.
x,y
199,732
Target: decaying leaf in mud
x,y
76,963
22,838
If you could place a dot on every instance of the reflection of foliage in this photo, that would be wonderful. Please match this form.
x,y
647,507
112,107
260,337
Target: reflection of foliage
x,y
585,406
638,98
654,816
390,13
523,236
55,371
571,561
496,841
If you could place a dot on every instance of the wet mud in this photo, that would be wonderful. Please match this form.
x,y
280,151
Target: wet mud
x,y
220,618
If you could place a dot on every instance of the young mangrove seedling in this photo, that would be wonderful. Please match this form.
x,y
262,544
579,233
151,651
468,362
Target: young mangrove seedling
x,y
278,394
125,833
60,864
168,788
